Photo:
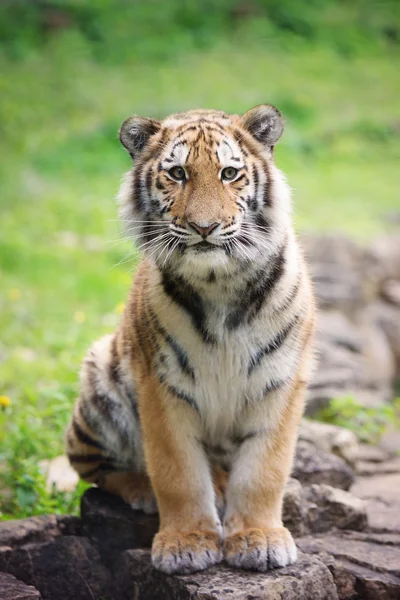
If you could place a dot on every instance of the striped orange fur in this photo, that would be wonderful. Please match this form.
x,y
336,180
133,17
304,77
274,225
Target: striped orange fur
x,y
192,406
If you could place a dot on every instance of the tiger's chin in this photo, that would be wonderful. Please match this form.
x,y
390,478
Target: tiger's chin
x,y
199,262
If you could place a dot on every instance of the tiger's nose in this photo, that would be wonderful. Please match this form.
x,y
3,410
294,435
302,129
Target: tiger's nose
x,y
204,231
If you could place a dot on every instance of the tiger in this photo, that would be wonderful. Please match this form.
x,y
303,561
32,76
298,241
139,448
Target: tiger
x,y
191,407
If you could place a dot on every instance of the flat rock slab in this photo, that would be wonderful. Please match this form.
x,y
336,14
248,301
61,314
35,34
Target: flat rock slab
x,y
364,565
382,500
37,529
308,579
12,589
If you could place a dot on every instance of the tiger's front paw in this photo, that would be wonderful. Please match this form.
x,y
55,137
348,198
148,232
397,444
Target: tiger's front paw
x,y
185,552
260,549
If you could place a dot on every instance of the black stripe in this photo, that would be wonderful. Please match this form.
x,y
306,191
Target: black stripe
x,y
180,354
274,385
183,294
267,185
256,292
183,396
256,182
140,205
132,399
113,369
84,458
103,467
274,345
261,221
238,440
159,185
83,437
149,179
290,297
242,176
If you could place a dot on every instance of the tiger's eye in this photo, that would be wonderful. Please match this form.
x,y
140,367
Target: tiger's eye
x,y
229,173
177,173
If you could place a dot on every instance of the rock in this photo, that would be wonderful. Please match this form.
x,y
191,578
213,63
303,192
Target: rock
x,y
364,566
331,438
362,552
308,579
334,508
37,529
390,441
319,508
336,268
12,589
374,468
353,581
353,360
378,356
369,453
110,523
382,497
387,316
67,567
312,465
382,259
59,474
295,508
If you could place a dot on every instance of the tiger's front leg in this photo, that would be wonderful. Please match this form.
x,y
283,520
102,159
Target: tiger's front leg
x,y
189,538
254,536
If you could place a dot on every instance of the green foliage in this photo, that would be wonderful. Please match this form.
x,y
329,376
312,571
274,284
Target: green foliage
x,y
71,71
160,29
368,423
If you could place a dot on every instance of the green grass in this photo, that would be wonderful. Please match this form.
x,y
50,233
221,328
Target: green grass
x,y
61,106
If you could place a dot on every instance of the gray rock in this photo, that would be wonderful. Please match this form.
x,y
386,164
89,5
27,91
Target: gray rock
x,y
67,568
37,529
364,566
382,500
331,438
369,453
319,508
308,579
390,441
312,465
387,316
334,509
12,589
295,508
336,269
113,526
382,259
374,468
352,360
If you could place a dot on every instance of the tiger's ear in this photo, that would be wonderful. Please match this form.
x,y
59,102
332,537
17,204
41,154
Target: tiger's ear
x,y
265,123
136,131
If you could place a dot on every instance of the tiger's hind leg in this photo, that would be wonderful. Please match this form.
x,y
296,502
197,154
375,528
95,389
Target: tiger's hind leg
x,y
134,488
103,440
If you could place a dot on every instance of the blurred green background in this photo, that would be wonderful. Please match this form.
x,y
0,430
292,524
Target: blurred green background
x,y
71,72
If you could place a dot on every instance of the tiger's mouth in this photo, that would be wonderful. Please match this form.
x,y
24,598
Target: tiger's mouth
x,y
204,246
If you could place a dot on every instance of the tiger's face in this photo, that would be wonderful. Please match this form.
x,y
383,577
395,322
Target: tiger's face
x,y
204,190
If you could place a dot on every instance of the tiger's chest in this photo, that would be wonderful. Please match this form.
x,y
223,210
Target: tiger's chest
x,y
222,378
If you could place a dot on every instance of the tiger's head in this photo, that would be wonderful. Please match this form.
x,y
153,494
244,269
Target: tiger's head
x,y
204,191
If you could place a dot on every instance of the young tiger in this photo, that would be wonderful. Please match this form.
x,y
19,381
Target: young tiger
x,y
191,407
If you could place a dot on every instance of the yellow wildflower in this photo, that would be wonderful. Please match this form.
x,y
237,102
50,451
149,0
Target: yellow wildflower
x,y
14,294
5,401
80,316
120,308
